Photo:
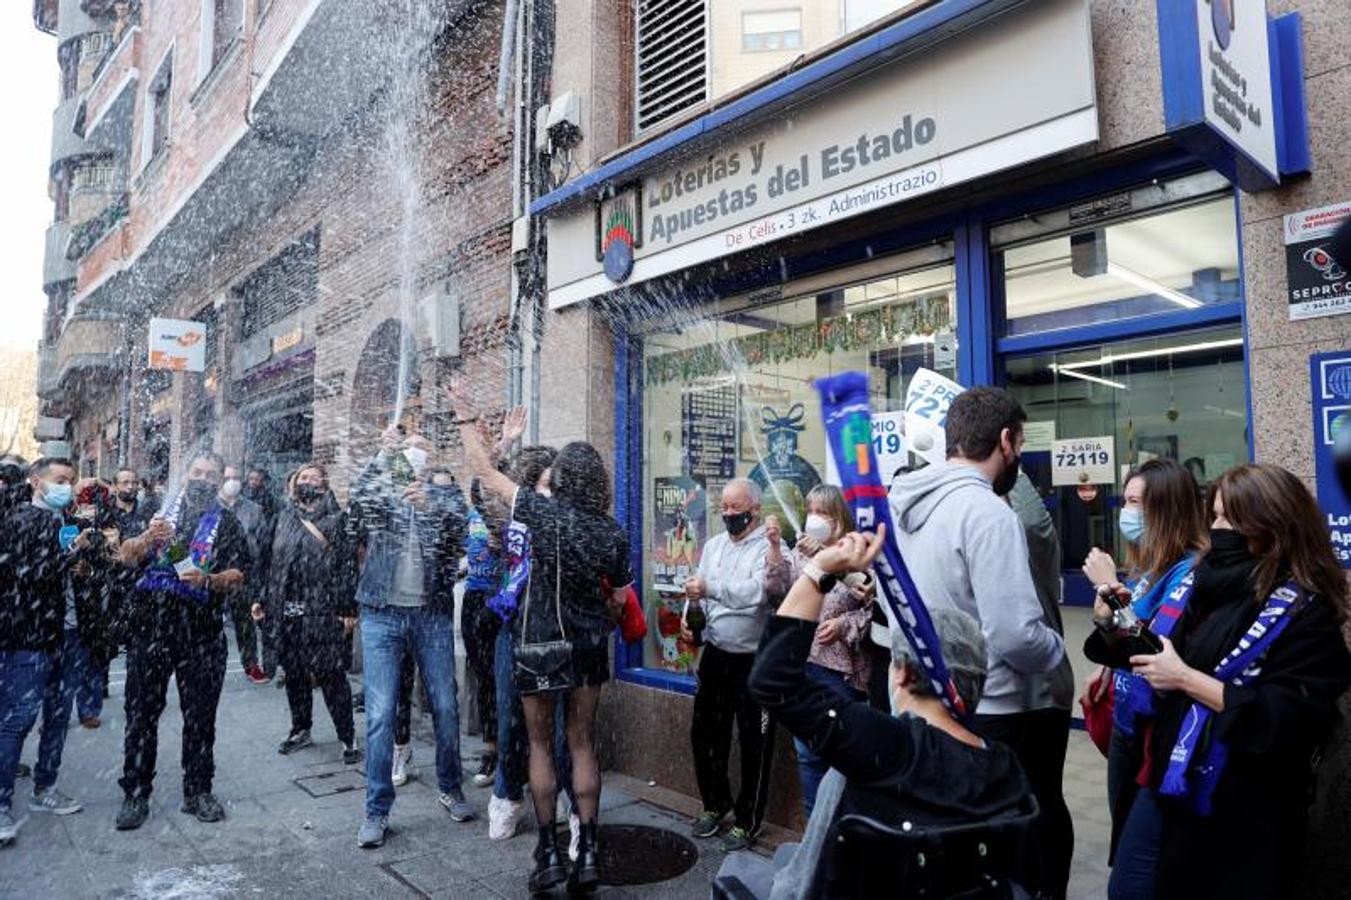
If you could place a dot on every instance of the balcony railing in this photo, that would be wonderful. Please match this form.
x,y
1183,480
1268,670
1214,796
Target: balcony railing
x,y
56,266
85,235
85,345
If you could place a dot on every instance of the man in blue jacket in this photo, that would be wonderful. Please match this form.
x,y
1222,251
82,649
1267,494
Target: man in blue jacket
x,y
413,532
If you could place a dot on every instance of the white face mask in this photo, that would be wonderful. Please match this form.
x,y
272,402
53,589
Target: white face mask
x,y
417,458
231,489
819,528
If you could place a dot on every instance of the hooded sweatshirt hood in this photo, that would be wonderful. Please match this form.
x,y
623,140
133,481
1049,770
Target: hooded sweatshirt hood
x,y
966,549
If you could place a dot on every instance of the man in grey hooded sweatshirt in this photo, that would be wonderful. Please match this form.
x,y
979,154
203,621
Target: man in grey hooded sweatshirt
x,y
966,549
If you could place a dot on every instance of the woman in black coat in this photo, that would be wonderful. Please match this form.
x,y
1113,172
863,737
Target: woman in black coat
x,y
310,593
1234,825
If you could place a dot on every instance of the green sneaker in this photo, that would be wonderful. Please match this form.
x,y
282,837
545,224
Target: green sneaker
x,y
736,839
706,824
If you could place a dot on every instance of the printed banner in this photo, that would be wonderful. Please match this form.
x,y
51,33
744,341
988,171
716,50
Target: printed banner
x,y
177,345
1317,285
1330,376
679,529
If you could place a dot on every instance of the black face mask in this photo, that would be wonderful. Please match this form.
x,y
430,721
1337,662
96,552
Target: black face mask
x,y
308,493
1005,480
736,523
127,496
199,492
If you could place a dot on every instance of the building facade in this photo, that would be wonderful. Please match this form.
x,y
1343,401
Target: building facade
x,y
1091,203
323,187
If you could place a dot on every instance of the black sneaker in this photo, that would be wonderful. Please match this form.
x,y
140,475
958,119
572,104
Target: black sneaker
x,y
487,768
133,813
706,824
296,740
350,755
204,806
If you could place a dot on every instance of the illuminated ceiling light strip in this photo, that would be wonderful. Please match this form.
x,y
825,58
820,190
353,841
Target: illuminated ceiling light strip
x,y
1093,378
1144,282
1150,354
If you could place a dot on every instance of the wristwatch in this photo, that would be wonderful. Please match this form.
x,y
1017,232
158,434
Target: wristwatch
x,y
825,581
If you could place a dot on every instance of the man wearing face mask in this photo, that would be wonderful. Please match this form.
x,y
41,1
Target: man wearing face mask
x,y
258,532
191,557
967,550
730,584
39,640
413,532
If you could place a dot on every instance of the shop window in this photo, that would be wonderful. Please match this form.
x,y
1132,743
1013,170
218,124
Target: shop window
x,y
1099,268
777,29
281,286
1183,397
729,395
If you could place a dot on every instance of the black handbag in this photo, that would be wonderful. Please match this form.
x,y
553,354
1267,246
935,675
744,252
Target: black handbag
x,y
544,667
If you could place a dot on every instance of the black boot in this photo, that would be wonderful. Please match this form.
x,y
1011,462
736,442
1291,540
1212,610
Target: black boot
x,y
586,871
549,870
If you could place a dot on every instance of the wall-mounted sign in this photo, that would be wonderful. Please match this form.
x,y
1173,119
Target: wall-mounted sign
x,y
50,428
1038,436
288,341
1231,73
619,231
177,345
1317,284
985,100
1080,461
1330,377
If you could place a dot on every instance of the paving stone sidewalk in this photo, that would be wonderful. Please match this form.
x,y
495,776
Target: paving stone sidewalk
x,y
292,821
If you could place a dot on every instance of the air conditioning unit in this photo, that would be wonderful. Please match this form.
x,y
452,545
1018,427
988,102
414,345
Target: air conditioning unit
x,y
439,323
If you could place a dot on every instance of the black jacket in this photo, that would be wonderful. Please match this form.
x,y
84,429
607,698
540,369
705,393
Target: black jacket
x,y
32,595
312,583
901,772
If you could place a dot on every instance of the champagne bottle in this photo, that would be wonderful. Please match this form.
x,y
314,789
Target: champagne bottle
x,y
695,620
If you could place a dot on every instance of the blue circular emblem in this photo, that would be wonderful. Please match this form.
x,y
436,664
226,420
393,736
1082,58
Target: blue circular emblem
x,y
618,261
1222,20
1339,382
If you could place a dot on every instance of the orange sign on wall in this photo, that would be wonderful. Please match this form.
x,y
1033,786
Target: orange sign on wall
x,y
177,345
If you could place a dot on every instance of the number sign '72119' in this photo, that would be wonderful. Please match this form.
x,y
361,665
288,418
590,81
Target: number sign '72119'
x,y
1083,461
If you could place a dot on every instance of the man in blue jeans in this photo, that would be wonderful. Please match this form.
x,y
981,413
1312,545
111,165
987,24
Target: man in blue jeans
x,y
413,531
32,616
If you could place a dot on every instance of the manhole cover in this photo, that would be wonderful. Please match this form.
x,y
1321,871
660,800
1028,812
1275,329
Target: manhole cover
x,y
332,783
640,854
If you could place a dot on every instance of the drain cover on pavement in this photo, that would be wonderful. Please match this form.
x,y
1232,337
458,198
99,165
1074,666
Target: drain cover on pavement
x,y
332,783
640,854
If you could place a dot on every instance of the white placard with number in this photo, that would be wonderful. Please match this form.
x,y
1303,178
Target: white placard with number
x,y
926,412
1077,461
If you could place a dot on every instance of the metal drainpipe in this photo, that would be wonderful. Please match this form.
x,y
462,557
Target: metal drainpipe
x,y
540,60
124,408
519,153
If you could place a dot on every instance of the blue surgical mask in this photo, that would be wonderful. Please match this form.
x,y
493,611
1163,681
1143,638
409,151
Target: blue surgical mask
x,y
56,496
1131,519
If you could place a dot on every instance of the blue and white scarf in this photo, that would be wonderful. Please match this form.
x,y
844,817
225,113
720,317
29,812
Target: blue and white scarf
x,y
1133,695
1196,782
161,576
848,419
516,549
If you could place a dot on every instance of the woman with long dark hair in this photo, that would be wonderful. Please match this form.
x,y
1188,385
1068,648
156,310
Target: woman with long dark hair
x,y
1244,690
1161,521
562,629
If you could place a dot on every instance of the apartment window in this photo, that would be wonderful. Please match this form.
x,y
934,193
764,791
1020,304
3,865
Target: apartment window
x,y
61,196
69,58
776,29
281,286
161,87
222,22
672,58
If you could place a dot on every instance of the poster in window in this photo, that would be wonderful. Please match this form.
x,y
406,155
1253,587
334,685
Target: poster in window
x,y
679,529
708,432
783,474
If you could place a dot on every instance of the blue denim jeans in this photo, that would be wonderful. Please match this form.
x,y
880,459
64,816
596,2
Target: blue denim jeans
x,y
81,679
385,633
23,684
1137,853
513,745
810,767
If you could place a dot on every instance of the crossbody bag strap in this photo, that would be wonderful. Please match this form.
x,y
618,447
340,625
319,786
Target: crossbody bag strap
x,y
558,574
314,532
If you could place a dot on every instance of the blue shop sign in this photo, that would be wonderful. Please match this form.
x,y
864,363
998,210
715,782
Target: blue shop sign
x,y
1330,376
1233,88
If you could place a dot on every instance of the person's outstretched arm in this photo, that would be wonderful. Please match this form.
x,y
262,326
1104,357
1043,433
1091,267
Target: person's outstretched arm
x,y
475,447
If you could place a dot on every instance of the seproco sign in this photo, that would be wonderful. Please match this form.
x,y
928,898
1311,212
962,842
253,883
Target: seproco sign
x,y
988,99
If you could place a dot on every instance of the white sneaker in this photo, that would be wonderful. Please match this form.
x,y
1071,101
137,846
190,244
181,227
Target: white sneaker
x,y
574,836
9,827
503,816
403,755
